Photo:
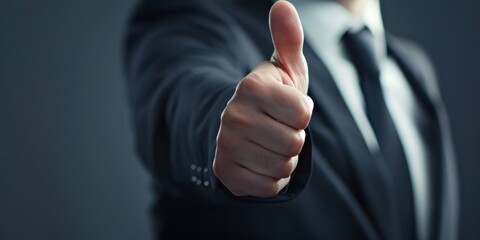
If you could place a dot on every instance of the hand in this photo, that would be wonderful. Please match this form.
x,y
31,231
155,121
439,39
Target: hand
x,y
262,126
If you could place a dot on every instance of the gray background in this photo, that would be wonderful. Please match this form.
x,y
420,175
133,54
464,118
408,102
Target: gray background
x,y
67,166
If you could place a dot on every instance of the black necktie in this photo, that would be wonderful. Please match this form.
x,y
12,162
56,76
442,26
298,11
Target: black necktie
x,y
360,46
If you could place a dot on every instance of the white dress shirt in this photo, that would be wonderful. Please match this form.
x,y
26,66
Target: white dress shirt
x,y
324,24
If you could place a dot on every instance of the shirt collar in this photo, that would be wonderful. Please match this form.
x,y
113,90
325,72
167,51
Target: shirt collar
x,y
326,22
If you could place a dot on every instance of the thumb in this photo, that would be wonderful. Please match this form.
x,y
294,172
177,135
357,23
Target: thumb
x,y
287,36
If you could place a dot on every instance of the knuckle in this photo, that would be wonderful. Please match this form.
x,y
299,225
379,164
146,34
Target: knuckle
x,y
227,114
286,169
225,137
269,189
250,85
294,144
303,116
262,163
232,115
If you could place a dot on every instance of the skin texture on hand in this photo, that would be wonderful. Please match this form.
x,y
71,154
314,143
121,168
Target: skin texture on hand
x,y
262,127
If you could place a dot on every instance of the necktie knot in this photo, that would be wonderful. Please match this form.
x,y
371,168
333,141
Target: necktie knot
x,y
361,48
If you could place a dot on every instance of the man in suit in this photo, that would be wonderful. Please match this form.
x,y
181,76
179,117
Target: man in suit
x,y
341,137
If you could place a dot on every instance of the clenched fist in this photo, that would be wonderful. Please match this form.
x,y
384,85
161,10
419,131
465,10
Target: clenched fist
x,y
262,127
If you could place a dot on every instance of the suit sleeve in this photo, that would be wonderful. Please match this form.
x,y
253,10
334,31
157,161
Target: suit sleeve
x,y
183,62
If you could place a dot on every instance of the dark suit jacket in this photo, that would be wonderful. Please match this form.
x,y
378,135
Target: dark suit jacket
x,y
183,61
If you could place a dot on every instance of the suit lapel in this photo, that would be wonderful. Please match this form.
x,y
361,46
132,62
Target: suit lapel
x,y
432,137
413,73
370,171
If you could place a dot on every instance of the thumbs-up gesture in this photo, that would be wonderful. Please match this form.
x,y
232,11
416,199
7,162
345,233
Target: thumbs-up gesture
x,y
262,127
